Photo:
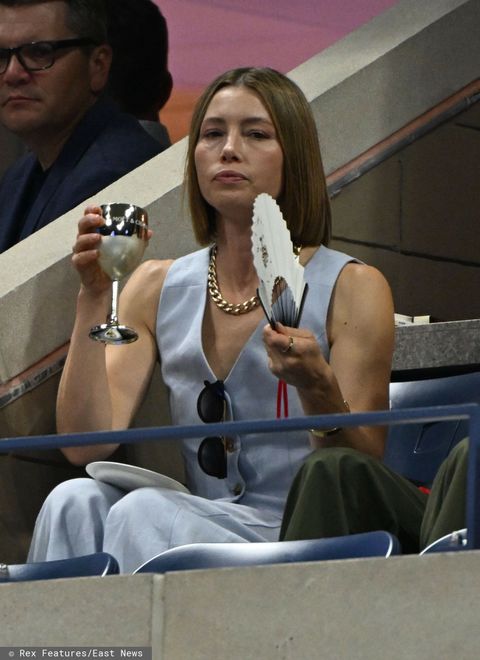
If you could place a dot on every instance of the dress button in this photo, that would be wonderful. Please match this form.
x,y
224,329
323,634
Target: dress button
x,y
229,445
237,489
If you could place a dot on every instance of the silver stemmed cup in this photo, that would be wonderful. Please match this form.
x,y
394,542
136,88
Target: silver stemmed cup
x,y
124,238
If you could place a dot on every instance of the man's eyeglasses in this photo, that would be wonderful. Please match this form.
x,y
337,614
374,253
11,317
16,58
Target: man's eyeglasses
x,y
39,55
211,408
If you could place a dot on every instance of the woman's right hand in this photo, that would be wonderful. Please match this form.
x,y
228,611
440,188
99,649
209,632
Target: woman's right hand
x,y
86,252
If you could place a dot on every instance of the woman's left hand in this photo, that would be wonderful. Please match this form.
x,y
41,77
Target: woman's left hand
x,y
361,336
294,355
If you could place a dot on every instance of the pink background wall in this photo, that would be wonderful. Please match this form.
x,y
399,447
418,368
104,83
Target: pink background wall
x,y
208,37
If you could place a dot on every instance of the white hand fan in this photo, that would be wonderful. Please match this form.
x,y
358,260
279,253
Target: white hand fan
x,y
282,287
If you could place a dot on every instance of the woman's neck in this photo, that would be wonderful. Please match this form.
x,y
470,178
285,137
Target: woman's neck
x,y
235,269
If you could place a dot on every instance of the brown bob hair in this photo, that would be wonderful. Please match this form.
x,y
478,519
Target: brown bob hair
x,y
304,198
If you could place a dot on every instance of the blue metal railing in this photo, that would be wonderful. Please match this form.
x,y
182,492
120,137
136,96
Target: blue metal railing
x,y
469,412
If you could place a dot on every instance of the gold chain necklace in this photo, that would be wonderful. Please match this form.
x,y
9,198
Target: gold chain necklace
x,y
216,296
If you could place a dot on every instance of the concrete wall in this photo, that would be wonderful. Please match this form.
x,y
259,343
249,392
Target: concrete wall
x,y
369,609
415,217
391,70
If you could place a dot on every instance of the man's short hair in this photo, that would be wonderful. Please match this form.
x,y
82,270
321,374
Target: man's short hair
x,y
139,78
85,18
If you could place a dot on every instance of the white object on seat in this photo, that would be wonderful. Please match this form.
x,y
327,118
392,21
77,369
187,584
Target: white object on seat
x,y
449,543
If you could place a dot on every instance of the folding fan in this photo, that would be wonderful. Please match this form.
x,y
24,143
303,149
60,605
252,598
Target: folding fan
x,y
282,288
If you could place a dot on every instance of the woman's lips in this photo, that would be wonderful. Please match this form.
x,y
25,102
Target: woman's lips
x,y
229,176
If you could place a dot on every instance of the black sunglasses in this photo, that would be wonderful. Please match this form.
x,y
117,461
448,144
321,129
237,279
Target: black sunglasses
x,y
211,408
39,55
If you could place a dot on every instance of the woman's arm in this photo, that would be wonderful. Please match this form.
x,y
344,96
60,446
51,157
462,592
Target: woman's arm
x,y
360,328
102,386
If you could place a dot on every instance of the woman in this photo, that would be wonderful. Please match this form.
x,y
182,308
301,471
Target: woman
x,y
252,132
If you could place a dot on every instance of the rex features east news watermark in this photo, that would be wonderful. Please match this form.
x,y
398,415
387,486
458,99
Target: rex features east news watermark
x,y
41,653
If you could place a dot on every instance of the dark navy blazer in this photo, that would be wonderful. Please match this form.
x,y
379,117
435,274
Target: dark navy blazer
x,y
105,145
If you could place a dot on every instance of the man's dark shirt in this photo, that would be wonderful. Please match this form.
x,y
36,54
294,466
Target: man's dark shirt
x,y
105,145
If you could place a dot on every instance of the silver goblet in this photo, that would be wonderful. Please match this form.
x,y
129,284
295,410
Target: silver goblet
x,y
124,238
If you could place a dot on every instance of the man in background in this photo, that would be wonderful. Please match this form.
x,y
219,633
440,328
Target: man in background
x,y
54,67
139,81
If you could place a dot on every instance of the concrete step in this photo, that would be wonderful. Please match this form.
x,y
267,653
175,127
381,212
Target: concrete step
x,y
397,608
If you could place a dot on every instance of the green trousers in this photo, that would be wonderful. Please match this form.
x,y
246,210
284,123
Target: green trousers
x,y
341,491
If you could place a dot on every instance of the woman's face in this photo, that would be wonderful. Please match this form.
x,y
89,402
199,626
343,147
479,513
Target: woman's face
x,y
237,155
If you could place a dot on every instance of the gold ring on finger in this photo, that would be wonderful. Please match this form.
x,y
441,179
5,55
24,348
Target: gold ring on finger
x,y
290,345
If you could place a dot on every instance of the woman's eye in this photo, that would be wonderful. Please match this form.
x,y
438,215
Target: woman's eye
x,y
258,135
211,133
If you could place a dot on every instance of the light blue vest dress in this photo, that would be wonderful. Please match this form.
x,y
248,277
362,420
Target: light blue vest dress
x,y
83,515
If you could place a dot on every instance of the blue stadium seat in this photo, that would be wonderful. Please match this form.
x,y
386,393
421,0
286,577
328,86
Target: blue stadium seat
x,y
417,450
221,555
98,564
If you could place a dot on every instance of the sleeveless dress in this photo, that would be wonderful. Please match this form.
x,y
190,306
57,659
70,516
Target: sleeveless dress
x,y
82,515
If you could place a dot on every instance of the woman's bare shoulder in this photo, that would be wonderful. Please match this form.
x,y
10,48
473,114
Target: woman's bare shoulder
x,y
362,300
143,289
357,277
154,268
151,273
